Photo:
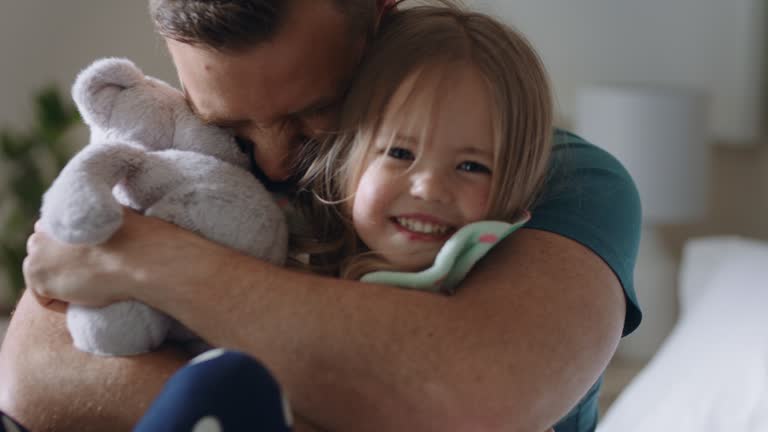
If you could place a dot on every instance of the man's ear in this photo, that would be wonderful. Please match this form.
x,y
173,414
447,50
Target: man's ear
x,y
97,87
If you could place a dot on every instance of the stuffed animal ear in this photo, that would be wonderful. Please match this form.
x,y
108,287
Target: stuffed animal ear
x,y
98,85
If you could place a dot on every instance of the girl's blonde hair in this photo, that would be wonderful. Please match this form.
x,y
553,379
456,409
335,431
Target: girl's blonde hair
x,y
427,42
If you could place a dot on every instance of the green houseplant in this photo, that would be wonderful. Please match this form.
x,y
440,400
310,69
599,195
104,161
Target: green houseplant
x,y
30,160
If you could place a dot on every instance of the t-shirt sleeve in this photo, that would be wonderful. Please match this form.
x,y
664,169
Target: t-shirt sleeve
x,y
590,197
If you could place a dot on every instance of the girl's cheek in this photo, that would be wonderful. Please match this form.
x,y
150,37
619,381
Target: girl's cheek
x,y
361,204
480,207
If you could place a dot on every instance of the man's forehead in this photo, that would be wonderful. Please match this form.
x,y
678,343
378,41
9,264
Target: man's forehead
x,y
222,95
306,66
218,110
211,117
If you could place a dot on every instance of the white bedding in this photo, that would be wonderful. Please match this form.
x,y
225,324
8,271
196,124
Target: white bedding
x,y
711,374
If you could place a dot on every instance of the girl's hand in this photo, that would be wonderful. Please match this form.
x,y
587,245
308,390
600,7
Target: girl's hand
x,y
145,251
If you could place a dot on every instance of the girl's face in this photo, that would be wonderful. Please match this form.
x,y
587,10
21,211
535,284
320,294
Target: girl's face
x,y
417,189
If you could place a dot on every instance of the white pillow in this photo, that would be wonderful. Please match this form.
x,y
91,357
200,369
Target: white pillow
x,y
711,374
701,260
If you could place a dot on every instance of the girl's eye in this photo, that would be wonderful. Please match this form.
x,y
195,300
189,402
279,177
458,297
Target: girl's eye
x,y
474,167
400,153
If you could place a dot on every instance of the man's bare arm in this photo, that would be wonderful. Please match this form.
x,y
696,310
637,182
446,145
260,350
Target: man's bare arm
x,y
529,332
48,385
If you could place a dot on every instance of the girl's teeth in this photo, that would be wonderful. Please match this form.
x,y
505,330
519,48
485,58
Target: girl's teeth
x,y
422,227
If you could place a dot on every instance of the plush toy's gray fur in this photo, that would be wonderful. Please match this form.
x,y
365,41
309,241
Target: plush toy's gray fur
x,y
148,151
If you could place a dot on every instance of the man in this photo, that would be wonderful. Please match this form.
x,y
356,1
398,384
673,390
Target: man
x,y
517,348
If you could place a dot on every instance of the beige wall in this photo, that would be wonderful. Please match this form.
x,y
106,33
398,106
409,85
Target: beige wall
x,y
717,46
739,196
43,41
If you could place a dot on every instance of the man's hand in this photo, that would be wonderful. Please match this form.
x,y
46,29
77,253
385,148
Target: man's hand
x,y
53,269
138,255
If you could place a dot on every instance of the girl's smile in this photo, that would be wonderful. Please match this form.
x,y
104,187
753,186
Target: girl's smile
x,y
422,227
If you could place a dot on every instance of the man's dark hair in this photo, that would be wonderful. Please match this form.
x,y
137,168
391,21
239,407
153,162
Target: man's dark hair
x,y
237,24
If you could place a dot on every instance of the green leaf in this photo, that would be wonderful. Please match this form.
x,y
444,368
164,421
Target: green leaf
x,y
46,137
6,143
15,145
55,115
12,260
19,225
29,190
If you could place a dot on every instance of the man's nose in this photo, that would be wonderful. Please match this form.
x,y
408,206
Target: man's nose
x,y
431,185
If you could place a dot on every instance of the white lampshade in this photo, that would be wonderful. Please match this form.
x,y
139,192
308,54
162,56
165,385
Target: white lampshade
x,y
661,136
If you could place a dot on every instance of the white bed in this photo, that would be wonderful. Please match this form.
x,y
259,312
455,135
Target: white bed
x,y
711,374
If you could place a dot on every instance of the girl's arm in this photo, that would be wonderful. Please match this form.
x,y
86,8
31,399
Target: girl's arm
x,y
529,332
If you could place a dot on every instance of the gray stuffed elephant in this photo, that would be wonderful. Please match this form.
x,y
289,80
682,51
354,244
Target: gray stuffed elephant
x,y
148,151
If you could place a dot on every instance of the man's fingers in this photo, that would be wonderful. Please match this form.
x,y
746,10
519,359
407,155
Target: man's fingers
x,y
39,226
27,267
43,300
49,303
39,241
34,275
31,243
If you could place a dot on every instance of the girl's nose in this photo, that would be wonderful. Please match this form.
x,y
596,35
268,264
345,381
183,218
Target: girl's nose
x,y
430,185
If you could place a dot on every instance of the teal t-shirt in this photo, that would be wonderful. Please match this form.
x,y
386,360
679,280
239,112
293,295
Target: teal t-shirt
x,y
589,197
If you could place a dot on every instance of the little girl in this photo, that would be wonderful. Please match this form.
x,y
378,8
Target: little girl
x,y
446,128
448,124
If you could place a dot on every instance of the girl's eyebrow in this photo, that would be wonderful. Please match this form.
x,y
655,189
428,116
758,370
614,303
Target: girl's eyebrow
x,y
468,149
399,136
476,151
